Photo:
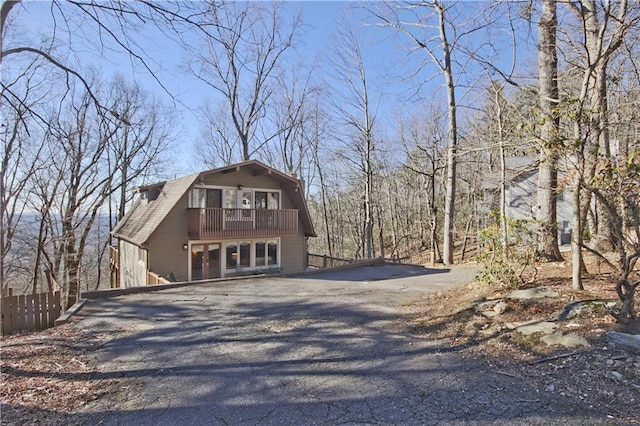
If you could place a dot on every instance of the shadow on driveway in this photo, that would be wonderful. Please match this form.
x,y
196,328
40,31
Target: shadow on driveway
x,y
293,351
380,272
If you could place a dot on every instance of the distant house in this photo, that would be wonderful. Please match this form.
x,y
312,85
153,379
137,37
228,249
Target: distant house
x,y
522,195
240,219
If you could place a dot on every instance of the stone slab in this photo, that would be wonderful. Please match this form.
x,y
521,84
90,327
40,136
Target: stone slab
x,y
533,293
531,327
570,340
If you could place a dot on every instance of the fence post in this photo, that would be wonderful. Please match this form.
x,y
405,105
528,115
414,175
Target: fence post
x,y
22,312
14,312
30,312
58,304
37,307
7,315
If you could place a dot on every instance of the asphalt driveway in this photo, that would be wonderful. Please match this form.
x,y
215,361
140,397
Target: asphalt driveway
x,y
321,349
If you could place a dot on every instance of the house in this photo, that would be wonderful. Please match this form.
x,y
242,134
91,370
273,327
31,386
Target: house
x,y
522,195
240,219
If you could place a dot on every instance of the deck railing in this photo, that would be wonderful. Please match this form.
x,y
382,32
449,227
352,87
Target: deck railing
x,y
114,267
155,279
113,256
242,223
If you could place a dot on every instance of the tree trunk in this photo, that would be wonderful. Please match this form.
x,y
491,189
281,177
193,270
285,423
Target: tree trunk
x,y
452,142
380,232
71,264
576,240
124,172
39,250
368,223
504,229
548,168
604,236
626,294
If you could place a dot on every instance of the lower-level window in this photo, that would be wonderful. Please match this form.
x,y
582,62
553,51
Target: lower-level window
x,y
261,253
272,258
251,254
232,255
245,256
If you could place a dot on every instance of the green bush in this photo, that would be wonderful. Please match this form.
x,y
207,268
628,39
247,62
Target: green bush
x,y
506,265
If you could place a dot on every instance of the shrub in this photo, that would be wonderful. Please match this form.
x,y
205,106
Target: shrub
x,y
506,265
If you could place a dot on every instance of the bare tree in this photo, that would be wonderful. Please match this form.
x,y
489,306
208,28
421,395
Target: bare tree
x,y
85,189
241,63
356,109
139,142
421,29
424,142
103,26
604,26
316,134
295,103
21,157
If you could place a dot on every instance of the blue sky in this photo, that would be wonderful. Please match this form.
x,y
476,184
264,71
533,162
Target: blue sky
x,y
320,18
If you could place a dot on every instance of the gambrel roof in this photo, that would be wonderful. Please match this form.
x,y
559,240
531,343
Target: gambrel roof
x,y
146,215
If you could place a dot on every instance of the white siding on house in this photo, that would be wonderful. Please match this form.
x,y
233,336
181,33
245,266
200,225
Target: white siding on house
x,y
522,197
522,203
133,265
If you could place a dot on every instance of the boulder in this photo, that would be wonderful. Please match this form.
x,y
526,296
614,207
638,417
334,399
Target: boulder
x,y
491,308
584,308
628,342
500,307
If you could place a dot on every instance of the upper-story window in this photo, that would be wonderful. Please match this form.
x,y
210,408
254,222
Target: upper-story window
x,y
205,198
232,198
267,200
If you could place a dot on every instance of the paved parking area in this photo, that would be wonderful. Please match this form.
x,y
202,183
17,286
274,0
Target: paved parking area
x,y
319,349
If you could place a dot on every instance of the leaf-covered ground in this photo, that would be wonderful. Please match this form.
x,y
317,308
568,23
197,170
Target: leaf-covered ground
x,y
46,377
603,376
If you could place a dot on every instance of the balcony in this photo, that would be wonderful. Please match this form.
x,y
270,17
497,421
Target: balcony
x,y
211,223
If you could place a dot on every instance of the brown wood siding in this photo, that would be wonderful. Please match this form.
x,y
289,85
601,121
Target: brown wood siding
x,y
244,178
166,255
293,253
294,249
287,204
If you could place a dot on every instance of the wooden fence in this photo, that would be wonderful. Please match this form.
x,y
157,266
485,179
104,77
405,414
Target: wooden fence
x,y
30,311
424,258
322,261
